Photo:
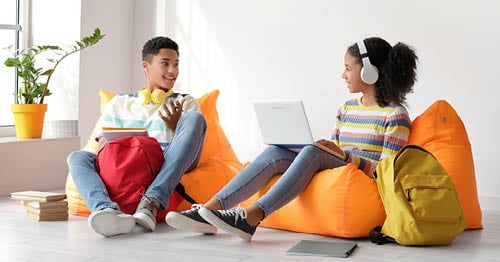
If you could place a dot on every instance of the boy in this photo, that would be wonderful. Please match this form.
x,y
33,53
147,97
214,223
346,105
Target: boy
x,y
173,119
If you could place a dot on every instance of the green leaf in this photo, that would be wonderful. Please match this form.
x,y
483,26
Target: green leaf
x,y
47,72
34,87
12,62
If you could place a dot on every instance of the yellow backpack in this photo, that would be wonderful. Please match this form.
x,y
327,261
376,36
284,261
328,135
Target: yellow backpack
x,y
420,200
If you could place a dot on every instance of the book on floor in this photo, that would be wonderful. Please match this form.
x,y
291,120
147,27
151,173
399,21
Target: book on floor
x,y
322,248
111,133
48,217
38,204
40,196
46,210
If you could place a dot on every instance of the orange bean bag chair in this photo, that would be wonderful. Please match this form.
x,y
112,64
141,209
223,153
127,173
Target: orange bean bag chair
x,y
218,162
441,131
344,202
340,202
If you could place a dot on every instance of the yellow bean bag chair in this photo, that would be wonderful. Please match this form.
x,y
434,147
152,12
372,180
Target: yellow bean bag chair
x,y
218,162
441,131
344,202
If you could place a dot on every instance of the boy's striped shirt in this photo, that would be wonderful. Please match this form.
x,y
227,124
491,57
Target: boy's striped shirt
x,y
127,110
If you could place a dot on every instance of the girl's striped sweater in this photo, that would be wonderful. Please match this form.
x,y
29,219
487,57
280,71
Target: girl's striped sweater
x,y
370,133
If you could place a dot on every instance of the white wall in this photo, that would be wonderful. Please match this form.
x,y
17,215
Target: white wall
x,y
107,65
269,48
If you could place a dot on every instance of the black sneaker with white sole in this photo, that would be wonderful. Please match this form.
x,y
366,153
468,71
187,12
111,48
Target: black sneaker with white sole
x,y
232,221
190,220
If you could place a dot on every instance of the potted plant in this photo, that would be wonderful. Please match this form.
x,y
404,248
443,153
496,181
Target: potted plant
x,y
29,108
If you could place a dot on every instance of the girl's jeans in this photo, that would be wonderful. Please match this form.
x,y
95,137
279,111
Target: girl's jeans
x,y
297,169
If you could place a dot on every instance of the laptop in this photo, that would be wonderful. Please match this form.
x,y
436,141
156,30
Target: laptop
x,y
284,123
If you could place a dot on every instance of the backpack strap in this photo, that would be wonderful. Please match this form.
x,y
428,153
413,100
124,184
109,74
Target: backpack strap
x,y
378,238
181,190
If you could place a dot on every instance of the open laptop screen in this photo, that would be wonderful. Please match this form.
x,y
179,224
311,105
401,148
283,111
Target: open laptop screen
x,y
283,122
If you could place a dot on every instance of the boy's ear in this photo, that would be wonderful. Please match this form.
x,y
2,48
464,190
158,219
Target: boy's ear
x,y
145,65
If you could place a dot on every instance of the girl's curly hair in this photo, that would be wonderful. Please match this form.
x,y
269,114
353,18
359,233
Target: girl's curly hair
x,y
397,68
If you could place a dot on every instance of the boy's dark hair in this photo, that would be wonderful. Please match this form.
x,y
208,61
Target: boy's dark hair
x,y
152,47
397,68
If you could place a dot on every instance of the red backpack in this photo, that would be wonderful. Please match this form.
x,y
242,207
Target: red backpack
x,y
127,167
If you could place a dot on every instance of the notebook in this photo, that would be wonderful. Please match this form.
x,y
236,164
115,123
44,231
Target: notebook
x,y
112,133
284,123
322,248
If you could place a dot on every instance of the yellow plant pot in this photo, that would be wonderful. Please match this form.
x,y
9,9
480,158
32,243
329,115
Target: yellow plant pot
x,y
28,119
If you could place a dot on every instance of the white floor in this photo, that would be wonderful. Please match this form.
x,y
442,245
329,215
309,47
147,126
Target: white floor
x,y
22,239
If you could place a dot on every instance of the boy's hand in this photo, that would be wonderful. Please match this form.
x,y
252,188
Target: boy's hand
x,y
170,113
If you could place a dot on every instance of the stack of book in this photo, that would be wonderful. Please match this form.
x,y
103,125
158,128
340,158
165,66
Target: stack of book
x,y
43,206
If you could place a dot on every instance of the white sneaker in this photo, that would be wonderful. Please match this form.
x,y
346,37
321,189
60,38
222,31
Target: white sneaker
x,y
146,212
109,222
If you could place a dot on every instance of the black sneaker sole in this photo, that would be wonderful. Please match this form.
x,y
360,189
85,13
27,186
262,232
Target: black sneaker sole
x,y
216,221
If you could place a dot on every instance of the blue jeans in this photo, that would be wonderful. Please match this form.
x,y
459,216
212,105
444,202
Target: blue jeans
x,y
181,155
297,169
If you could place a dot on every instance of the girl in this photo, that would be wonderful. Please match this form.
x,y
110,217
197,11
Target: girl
x,y
374,126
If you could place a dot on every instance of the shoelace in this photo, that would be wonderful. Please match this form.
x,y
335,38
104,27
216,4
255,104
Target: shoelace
x,y
150,204
194,209
237,212
196,206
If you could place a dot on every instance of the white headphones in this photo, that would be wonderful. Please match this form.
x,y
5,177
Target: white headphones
x,y
369,72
